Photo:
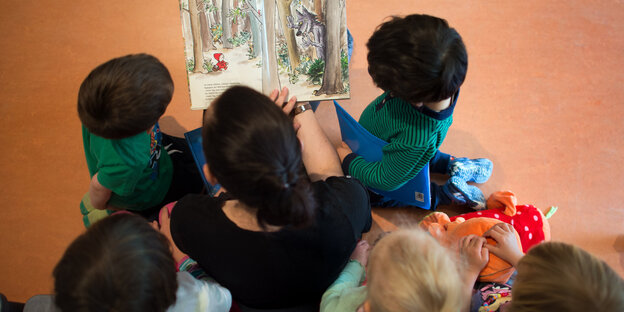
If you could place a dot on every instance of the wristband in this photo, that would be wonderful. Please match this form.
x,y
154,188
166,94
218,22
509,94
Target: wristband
x,y
302,108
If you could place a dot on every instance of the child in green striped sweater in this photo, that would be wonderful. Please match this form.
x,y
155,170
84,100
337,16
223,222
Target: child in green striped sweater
x,y
420,63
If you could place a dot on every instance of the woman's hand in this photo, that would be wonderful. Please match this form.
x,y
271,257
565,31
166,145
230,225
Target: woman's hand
x,y
280,97
506,244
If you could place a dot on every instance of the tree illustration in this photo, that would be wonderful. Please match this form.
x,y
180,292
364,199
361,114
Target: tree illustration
x,y
283,7
215,12
206,34
235,16
332,76
198,53
270,76
226,24
256,24
318,9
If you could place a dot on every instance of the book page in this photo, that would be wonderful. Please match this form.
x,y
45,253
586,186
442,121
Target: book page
x,y
311,48
221,40
265,44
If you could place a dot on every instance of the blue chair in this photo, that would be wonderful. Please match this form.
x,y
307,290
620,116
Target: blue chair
x,y
194,140
416,192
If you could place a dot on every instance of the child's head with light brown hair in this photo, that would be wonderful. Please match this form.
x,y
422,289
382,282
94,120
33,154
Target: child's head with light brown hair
x,y
555,276
410,271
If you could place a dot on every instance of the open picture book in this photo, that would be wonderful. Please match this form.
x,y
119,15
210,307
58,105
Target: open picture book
x,y
265,45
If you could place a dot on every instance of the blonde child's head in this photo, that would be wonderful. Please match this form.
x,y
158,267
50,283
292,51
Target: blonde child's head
x,y
410,271
556,276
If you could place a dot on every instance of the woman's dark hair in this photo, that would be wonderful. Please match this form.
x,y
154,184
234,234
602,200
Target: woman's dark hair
x,y
124,96
418,58
252,149
120,264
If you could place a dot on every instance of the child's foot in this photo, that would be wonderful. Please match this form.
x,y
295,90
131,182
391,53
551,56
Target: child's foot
x,y
471,170
462,193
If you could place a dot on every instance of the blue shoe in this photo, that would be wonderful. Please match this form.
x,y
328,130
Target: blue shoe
x,y
471,170
461,193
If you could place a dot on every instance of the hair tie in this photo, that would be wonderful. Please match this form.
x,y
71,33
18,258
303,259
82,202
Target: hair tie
x,y
289,185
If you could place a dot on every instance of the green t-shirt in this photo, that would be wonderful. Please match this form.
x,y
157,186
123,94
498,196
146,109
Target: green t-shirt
x,y
136,169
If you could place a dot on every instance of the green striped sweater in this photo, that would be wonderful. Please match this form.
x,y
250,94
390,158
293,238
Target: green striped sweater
x,y
413,137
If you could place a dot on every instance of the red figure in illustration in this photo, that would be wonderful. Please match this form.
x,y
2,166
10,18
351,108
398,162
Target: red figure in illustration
x,y
221,63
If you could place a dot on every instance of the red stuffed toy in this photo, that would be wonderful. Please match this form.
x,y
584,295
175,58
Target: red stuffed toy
x,y
529,222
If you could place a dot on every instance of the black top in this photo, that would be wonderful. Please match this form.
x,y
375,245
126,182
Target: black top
x,y
280,269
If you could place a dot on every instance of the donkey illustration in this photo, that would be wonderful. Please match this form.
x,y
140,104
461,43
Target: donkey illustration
x,y
311,31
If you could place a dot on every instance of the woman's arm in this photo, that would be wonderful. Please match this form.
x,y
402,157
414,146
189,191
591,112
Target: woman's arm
x,y
319,156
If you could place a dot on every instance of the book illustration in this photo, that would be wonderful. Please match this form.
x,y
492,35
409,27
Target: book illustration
x,y
266,45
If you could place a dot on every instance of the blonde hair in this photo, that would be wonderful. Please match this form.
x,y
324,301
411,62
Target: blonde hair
x,y
410,271
556,276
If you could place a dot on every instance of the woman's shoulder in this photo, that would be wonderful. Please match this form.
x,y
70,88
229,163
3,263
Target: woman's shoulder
x,y
343,196
197,206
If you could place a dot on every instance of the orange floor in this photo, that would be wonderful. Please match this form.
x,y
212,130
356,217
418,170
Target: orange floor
x,y
542,99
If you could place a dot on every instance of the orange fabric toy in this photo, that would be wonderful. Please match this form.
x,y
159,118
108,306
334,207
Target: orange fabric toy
x,y
528,221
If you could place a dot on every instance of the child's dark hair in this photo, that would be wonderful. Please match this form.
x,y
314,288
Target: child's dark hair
x,y
120,264
124,96
418,58
252,149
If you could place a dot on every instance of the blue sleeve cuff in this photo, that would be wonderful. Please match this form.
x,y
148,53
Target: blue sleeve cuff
x,y
347,161
446,113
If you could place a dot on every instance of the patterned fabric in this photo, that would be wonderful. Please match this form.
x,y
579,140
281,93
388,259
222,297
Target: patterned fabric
x,y
490,297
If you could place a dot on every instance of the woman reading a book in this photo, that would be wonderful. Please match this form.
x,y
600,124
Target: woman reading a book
x,y
288,220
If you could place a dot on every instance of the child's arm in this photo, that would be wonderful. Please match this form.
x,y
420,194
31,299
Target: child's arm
x,y
187,264
217,297
475,258
399,164
352,275
164,227
319,156
99,194
506,244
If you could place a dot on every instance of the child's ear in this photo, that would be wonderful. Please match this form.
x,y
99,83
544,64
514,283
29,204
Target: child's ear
x,y
209,177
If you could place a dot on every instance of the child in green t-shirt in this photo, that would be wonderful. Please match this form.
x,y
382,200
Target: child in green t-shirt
x,y
420,63
119,104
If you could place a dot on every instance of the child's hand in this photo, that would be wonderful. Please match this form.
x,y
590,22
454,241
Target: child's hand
x,y
506,244
360,253
472,251
164,228
343,150
280,97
